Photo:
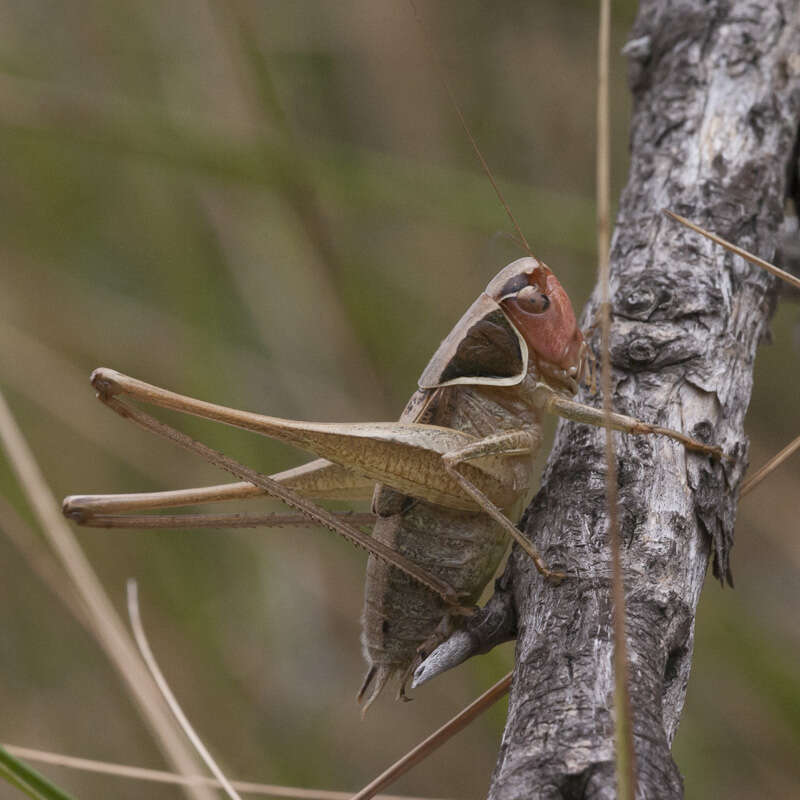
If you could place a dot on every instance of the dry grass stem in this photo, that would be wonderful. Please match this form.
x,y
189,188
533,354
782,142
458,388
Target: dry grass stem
x,y
41,561
149,659
626,758
160,776
436,739
106,624
793,280
770,466
759,262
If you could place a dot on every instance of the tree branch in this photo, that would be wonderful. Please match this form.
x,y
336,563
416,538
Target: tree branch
x,y
713,136
717,100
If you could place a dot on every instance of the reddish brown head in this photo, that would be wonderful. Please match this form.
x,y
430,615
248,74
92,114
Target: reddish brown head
x,y
524,319
539,308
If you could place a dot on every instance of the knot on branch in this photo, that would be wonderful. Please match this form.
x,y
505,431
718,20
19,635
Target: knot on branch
x,y
641,346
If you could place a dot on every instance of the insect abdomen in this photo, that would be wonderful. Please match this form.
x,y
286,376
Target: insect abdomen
x,y
463,548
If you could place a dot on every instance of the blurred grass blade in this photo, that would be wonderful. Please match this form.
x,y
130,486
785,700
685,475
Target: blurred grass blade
x,y
41,561
360,178
27,780
739,251
770,466
159,776
106,624
163,686
436,739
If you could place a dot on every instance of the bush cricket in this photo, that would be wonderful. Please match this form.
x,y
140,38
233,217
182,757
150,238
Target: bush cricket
x,y
208,519
448,480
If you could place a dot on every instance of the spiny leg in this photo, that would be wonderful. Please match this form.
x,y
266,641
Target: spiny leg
x,y
405,455
554,403
80,507
228,520
290,498
508,443
319,479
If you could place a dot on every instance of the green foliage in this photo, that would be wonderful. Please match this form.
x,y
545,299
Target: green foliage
x,y
27,780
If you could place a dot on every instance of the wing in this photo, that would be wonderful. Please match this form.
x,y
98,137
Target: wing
x,y
483,348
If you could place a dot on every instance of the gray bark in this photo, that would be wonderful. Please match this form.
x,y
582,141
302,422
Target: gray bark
x,y
716,87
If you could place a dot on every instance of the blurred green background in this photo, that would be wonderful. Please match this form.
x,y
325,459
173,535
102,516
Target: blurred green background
x,y
272,205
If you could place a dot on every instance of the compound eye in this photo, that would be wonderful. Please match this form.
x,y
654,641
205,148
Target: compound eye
x,y
532,300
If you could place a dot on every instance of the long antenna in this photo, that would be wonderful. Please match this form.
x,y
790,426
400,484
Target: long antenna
x,y
440,71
